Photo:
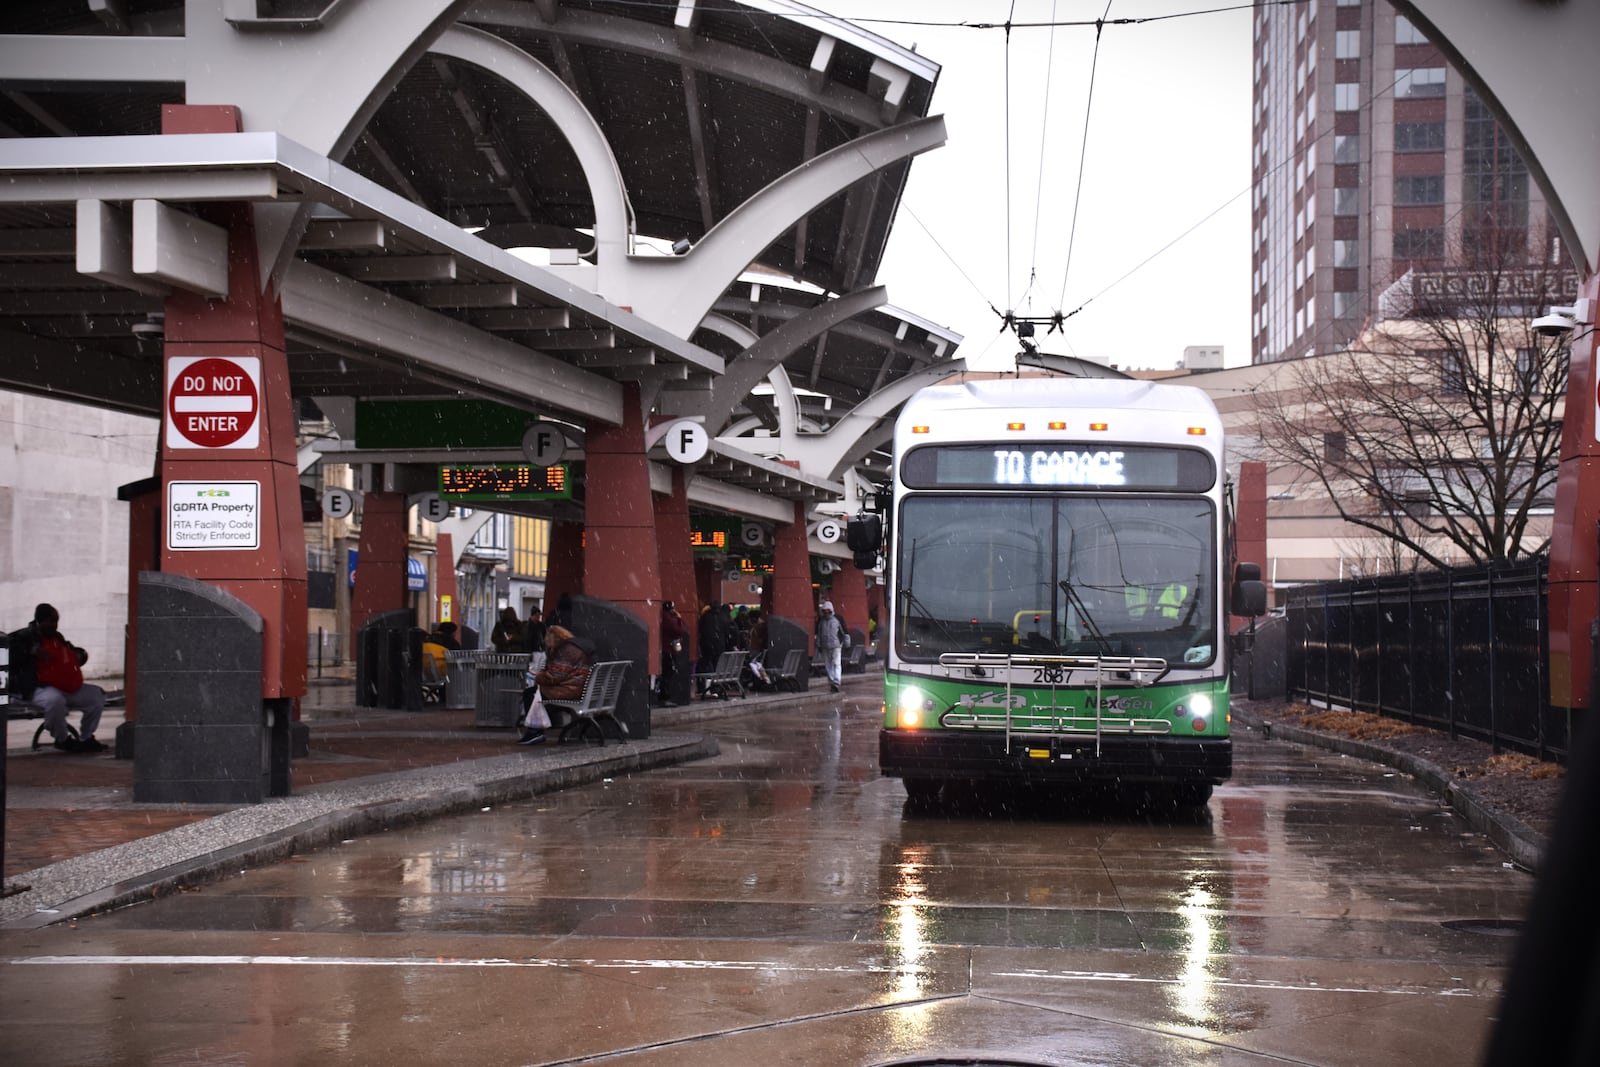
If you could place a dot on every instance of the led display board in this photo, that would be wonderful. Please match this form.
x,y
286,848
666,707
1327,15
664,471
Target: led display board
x,y
489,482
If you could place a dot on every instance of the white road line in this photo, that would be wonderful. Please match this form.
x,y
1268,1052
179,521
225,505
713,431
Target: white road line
x,y
1111,976
446,961
683,965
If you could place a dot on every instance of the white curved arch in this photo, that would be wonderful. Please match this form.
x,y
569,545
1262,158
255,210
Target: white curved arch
x,y
770,350
786,402
541,85
732,329
739,428
677,292
1534,65
841,445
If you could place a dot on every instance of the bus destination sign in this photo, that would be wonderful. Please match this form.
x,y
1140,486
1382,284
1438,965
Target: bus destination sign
x,y
1058,466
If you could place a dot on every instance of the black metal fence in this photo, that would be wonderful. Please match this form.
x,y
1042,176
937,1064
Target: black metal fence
x,y
324,650
1464,651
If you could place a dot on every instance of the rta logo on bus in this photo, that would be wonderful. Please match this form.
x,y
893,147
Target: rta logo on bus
x,y
213,402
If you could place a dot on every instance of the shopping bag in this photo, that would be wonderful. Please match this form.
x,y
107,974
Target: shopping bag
x,y
537,718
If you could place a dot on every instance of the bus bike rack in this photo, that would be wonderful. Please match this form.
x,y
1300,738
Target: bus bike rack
x,y
1135,671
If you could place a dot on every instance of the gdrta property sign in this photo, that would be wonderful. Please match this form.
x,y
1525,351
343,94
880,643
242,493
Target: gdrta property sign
x,y
213,515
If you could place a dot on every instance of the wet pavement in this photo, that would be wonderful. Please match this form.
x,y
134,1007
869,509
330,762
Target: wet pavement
x,y
780,902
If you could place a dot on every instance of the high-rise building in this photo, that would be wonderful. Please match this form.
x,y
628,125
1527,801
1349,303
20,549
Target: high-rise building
x,y
1372,157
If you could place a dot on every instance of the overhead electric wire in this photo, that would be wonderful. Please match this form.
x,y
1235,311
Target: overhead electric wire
x,y
1044,136
1365,105
1083,157
1013,11
953,261
796,16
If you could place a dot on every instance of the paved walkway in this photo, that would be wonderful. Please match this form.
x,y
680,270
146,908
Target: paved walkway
x,y
75,838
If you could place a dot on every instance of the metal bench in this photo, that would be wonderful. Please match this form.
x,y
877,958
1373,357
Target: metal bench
x,y
724,681
598,703
433,683
788,675
853,660
16,702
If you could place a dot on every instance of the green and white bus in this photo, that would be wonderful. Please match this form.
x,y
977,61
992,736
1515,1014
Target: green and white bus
x,y
1056,561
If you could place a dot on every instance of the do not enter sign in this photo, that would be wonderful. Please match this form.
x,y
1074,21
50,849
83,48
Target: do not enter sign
x,y
213,402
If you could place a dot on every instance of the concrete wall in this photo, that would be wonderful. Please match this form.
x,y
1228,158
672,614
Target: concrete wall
x,y
63,532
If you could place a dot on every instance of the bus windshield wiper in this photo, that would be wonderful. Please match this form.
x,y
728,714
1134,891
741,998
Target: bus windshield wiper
x,y
910,601
1083,613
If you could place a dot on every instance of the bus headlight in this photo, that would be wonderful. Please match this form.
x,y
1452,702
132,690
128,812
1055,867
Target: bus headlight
x,y
1200,704
911,703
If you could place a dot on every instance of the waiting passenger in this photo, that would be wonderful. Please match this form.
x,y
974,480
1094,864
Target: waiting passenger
x,y
568,660
49,668
507,633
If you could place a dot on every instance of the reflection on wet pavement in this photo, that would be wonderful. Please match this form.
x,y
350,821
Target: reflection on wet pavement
x,y
782,903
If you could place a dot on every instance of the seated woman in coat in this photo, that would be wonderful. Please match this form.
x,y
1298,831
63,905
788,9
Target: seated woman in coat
x,y
566,669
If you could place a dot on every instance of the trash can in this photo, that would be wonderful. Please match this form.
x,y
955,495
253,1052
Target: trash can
x,y
499,686
381,646
461,679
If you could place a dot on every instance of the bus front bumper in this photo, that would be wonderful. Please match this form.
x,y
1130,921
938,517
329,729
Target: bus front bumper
x,y
985,756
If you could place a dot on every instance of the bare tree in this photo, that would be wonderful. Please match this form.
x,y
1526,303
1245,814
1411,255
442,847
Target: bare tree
x,y
1441,427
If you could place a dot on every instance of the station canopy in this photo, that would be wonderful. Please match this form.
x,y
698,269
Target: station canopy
x,y
448,238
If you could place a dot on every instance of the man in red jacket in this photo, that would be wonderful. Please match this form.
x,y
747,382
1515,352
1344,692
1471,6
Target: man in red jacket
x,y
50,669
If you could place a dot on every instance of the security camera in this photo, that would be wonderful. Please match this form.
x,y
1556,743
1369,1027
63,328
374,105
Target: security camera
x,y
1560,320
1564,318
153,325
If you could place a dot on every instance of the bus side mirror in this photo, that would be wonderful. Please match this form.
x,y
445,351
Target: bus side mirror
x,y
864,534
1248,596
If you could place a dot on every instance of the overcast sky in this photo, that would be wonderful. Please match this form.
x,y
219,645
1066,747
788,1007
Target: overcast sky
x,y
1168,145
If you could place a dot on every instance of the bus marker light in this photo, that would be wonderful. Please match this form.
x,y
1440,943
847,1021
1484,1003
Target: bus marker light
x,y
919,429
1016,426
1197,431
1058,425
1100,427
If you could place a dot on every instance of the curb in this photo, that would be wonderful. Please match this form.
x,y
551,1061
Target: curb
x,y
348,816
240,838
1511,835
707,710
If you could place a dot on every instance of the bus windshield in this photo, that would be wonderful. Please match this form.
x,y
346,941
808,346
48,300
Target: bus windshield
x,y
1058,575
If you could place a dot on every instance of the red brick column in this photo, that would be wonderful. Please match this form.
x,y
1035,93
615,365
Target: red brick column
x,y
145,516
792,596
1573,571
619,557
674,552
1250,524
849,596
380,560
246,326
564,571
